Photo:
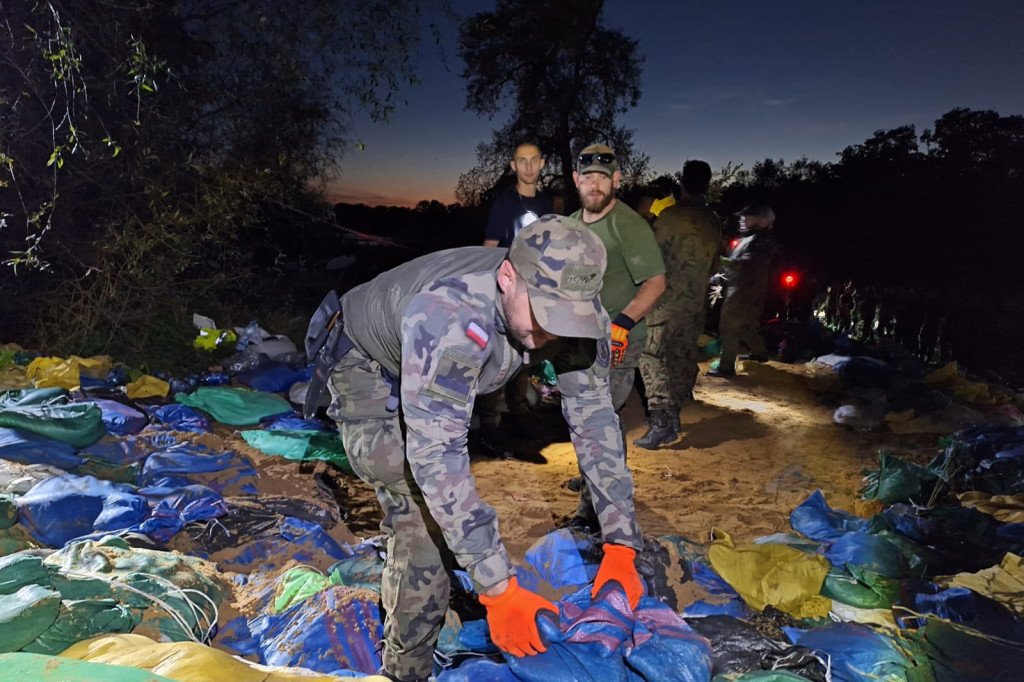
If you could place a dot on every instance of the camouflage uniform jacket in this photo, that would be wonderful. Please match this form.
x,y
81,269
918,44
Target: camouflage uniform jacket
x,y
437,322
749,264
690,236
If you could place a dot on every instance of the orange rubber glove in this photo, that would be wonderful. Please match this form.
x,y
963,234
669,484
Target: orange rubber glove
x,y
512,618
618,565
621,326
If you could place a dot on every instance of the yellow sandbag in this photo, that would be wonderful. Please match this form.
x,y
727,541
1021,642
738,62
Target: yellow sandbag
x,y
1004,583
189,661
97,366
61,373
147,386
1005,508
772,575
964,390
53,373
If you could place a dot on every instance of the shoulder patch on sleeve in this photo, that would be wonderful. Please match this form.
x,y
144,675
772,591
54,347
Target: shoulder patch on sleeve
x,y
455,377
603,353
477,334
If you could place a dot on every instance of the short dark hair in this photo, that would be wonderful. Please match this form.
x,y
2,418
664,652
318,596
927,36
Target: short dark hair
x,y
696,177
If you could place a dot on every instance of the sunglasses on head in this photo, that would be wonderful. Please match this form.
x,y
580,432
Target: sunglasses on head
x,y
604,159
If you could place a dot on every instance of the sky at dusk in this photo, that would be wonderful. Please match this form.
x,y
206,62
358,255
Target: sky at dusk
x,y
727,81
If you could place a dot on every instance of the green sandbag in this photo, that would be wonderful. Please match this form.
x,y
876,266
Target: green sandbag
x,y
19,570
78,424
759,676
859,587
235,406
25,615
8,511
42,668
78,620
299,445
152,572
299,584
897,480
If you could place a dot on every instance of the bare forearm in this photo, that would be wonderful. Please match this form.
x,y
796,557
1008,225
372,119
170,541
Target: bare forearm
x,y
648,294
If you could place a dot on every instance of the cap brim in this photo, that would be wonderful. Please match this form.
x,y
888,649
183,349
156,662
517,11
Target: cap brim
x,y
597,168
568,319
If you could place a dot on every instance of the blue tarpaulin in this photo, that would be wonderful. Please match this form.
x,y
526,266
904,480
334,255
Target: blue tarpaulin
x,y
25,447
62,508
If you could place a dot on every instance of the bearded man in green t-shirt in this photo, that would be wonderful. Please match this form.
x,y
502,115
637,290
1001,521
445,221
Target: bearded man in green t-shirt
x,y
633,280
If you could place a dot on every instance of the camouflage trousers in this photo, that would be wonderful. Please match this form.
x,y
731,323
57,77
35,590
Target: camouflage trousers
x,y
621,381
415,586
669,361
739,326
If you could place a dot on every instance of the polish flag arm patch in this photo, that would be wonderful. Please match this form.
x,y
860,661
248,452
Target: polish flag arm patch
x,y
477,334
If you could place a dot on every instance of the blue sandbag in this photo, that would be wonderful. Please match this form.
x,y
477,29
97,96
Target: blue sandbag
x,y
558,558
120,419
178,417
855,652
25,447
186,463
605,640
62,508
127,450
174,507
815,519
869,551
276,378
292,422
339,628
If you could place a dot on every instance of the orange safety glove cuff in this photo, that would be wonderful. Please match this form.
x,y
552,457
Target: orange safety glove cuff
x,y
619,565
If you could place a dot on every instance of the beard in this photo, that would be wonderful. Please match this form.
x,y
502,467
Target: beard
x,y
595,204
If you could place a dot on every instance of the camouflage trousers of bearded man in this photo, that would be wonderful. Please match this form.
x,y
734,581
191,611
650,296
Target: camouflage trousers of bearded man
x,y
415,584
668,365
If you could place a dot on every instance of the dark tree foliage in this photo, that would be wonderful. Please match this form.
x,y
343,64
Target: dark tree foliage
x,y
160,158
901,210
563,76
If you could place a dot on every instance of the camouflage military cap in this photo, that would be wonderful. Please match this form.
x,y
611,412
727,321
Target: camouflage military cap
x,y
597,158
563,265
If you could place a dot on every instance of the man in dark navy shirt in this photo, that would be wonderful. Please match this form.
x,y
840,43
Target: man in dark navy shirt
x,y
513,209
520,204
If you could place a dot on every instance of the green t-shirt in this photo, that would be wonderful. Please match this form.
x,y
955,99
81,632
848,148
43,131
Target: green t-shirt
x,y
633,257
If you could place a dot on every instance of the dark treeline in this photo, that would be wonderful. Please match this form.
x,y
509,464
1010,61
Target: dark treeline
x,y
939,210
922,227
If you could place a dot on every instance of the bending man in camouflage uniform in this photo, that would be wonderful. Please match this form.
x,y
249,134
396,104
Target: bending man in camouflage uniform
x,y
428,337
690,236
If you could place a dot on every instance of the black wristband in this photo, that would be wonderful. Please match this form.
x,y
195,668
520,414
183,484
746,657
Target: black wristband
x,y
624,321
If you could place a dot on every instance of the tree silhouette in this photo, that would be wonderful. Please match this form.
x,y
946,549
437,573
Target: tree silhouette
x,y
565,78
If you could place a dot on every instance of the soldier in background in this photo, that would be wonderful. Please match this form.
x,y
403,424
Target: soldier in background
x,y
423,340
747,269
690,236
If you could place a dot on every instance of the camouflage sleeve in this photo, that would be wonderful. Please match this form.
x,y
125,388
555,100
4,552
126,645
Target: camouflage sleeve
x,y
444,347
594,430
